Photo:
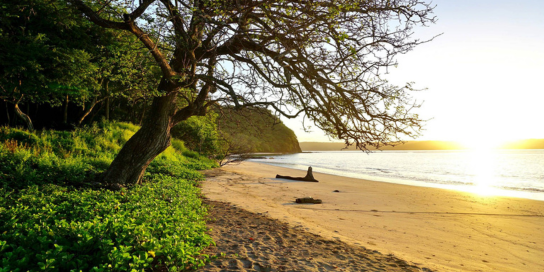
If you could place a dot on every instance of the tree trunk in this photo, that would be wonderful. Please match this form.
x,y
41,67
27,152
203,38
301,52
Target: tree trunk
x,y
25,117
107,101
144,107
65,115
153,138
7,113
87,111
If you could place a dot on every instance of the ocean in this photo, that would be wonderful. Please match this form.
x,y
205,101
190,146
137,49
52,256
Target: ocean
x,y
517,173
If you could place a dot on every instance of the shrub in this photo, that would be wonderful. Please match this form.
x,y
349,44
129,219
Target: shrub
x,y
50,219
199,133
190,154
18,135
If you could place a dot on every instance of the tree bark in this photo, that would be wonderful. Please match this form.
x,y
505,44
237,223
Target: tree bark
x,y
144,107
23,116
152,139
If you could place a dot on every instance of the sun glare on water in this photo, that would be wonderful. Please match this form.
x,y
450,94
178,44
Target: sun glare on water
x,y
483,167
483,164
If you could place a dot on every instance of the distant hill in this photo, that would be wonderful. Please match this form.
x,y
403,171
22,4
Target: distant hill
x,y
256,130
525,144
423,145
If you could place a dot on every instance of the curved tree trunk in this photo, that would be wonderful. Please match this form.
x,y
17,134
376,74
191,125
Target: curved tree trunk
x,y
87,111
24,116
152,139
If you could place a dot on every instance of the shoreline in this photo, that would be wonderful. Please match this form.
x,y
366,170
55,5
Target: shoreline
x,y
441,229
467,182
534,194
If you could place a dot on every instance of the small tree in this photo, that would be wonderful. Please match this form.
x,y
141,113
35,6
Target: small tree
x,y
320,58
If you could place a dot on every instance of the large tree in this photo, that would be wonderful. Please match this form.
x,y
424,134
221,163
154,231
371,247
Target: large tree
x,y
322,59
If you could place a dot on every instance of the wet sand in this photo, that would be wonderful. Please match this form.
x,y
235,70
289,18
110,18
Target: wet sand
x,y
439,229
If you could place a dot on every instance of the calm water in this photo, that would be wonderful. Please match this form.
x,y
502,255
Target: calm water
x,y
517,173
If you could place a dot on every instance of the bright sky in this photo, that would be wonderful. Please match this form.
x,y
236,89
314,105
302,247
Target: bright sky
x,y
484,74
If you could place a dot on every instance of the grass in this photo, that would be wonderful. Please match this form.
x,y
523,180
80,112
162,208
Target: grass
x,y
51,219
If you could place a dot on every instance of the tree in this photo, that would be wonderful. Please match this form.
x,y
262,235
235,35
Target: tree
x,y
318,58
123,69
45,56
52,56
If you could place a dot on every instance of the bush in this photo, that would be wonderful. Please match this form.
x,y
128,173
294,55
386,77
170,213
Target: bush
x,y
51,220
199,134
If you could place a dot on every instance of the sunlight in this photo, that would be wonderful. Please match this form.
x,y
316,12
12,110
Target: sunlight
x,y
482,144
483,168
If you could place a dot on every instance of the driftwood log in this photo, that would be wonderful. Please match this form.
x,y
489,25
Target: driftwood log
x,y
309,176
308,200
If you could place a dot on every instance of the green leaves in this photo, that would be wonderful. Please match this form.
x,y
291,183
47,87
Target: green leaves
x,y
47,223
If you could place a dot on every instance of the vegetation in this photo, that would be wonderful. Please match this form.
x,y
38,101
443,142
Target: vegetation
x,y
230,131
74,200
200,133
53,217
318,58
51,57
256,130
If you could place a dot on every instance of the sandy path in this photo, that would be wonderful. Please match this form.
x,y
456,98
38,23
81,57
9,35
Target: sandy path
x,y
439,229
256,242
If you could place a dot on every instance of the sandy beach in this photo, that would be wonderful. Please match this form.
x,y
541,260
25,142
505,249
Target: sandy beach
x,y
439,229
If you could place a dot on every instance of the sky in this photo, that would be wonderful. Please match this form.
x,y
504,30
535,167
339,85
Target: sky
x,y
484,75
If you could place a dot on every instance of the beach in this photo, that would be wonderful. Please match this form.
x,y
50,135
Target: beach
x,y
438,229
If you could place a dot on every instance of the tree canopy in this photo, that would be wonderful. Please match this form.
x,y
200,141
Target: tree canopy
x,y
322,59
51,55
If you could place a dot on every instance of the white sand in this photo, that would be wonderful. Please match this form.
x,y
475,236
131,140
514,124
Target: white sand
x,y
441,229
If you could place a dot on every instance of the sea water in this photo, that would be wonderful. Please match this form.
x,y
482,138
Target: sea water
x,y
518,173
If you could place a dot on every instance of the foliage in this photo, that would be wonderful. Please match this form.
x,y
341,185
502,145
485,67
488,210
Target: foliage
x,y
53,56
45,52
323,59
199,133
228,131
256,130
52,219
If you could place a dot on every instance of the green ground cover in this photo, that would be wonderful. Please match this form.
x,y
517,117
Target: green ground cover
x,y
53,219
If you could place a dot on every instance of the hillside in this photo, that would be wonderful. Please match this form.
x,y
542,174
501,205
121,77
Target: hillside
x,y
256,130
423,145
